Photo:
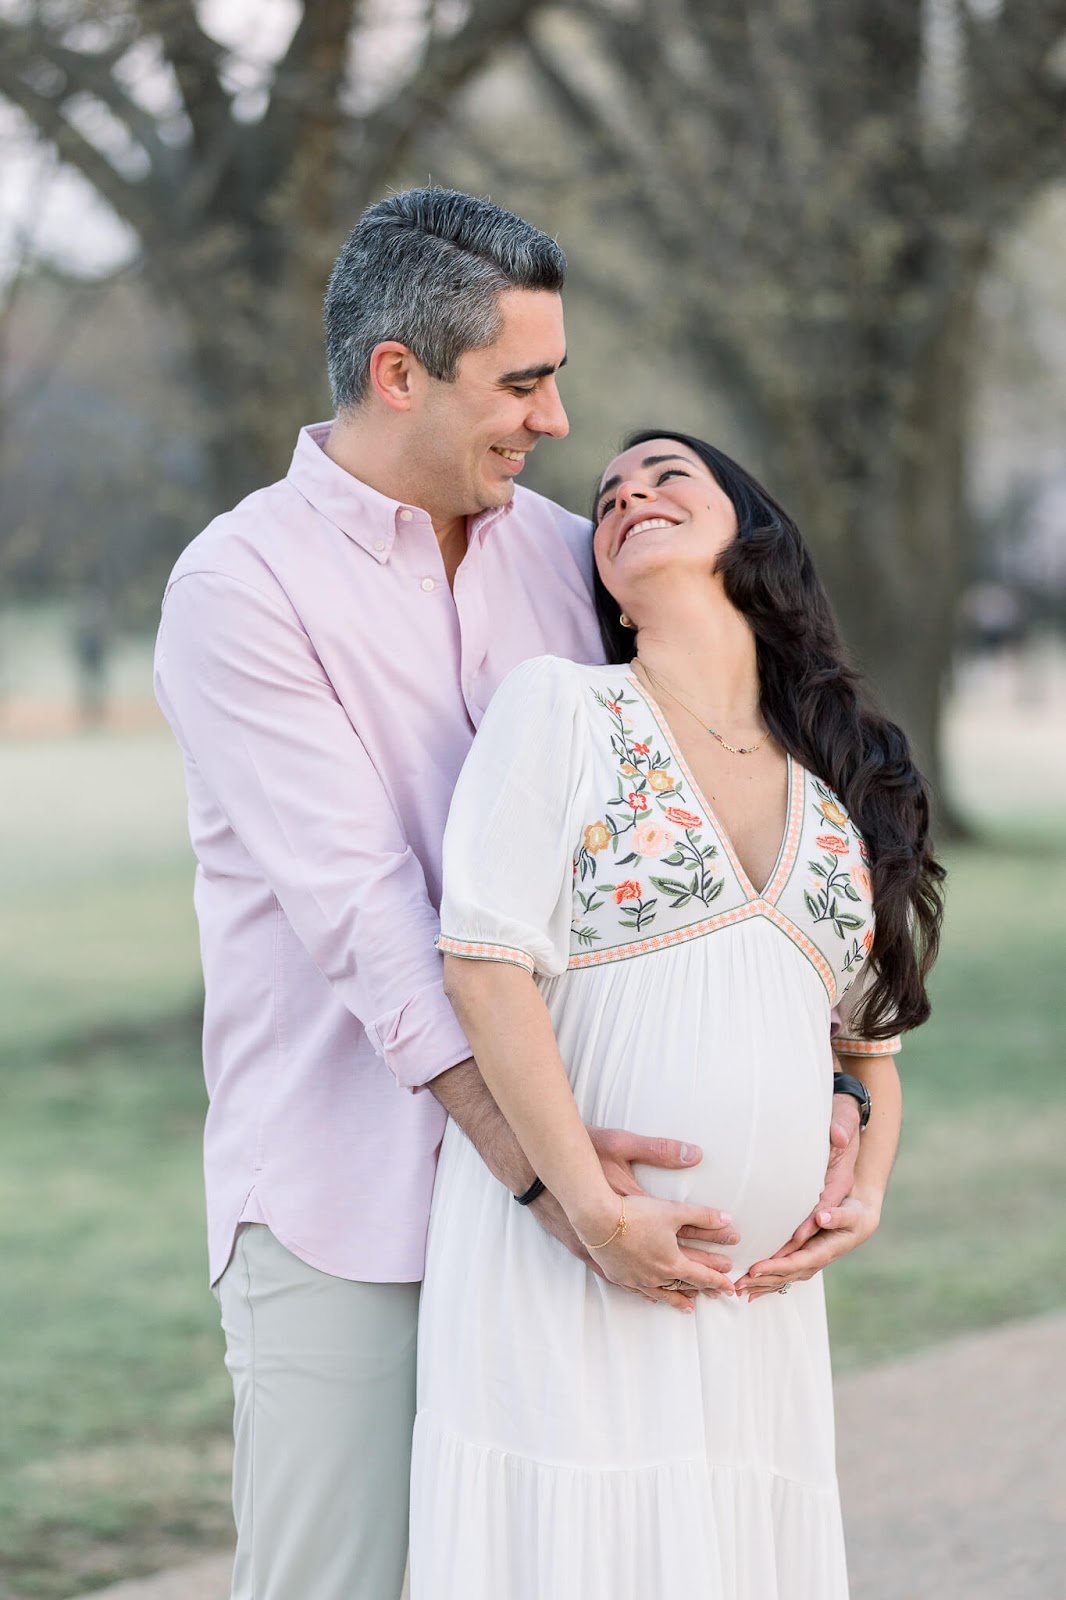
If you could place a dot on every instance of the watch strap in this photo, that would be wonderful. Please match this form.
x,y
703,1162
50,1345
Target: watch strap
x,y
844,1083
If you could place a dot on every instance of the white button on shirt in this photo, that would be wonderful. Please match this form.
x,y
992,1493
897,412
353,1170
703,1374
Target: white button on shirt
x,y
323,717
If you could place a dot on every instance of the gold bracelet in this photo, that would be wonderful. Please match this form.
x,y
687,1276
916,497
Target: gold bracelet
x,y
621,1228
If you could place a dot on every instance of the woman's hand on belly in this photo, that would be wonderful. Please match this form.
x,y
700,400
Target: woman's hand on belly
x,y
840,1229
646,1254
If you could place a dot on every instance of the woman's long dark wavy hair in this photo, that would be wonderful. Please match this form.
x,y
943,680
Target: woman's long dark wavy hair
x,y
818,709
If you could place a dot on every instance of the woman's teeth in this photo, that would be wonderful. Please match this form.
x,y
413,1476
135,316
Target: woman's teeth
x,y
647,524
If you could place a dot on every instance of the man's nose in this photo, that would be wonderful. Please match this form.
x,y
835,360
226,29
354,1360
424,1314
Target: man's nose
x,y
550,415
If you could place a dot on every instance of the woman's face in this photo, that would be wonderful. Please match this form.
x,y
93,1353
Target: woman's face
x,y
660,512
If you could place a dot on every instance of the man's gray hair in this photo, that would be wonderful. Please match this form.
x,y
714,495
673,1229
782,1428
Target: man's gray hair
x,y
426,267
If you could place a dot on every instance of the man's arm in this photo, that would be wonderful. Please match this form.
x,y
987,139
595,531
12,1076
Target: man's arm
x,y
256,715
464,1094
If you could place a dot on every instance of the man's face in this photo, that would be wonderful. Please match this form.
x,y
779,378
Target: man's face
x,y
474,434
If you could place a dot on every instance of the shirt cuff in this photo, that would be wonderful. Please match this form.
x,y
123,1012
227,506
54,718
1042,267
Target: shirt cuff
x,y
843,1046
420,1040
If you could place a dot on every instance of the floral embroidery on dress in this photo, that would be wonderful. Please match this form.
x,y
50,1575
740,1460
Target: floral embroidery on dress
x,y
837,885
647,820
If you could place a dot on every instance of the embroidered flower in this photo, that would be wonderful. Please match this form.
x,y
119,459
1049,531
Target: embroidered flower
x,y
597,837
629,769
868,940
638,802
864,852
612,705
833,814
642,749
630,890
863,882
833,843
660,780
651,839
683,819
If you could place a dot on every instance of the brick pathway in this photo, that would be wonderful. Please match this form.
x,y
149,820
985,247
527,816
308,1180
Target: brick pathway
x,y
953,1470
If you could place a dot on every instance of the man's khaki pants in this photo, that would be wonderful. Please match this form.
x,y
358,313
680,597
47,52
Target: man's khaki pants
x,y
323,1376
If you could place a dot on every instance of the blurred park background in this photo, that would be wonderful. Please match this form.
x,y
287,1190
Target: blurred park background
x,y
828,236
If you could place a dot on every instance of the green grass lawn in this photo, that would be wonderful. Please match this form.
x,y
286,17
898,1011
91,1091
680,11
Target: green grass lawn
x,y
974,1228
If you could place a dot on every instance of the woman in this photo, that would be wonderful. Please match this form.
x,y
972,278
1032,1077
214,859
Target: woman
x,y
661,878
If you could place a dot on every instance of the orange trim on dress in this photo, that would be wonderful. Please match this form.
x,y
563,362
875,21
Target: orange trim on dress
x,y
846,1046
697,930
475,950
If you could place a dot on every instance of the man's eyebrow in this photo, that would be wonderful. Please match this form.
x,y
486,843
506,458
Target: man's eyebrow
x,y
649,461
527,374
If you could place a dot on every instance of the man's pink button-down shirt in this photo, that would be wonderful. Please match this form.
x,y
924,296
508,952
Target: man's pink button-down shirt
x,y
324,686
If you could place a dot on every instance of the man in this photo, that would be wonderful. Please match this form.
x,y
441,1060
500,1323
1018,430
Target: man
x,y
325,654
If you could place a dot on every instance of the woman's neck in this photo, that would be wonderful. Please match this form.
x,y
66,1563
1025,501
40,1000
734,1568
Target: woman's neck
x,y
708,656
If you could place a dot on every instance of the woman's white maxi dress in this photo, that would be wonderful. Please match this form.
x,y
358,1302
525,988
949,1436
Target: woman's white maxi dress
x,y
574,1442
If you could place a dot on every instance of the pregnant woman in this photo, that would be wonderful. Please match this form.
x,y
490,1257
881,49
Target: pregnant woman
x,y
675,885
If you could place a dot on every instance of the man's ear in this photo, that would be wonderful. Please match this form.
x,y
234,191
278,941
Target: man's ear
x,y
394,374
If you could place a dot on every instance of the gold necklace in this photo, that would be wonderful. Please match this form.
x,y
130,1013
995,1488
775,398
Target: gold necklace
x,y
734,749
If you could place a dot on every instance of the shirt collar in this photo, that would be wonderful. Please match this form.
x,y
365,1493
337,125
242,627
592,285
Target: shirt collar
x,y
367,517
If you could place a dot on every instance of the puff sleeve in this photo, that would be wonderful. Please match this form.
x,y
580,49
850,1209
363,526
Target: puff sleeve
x,y
846,1041
510,839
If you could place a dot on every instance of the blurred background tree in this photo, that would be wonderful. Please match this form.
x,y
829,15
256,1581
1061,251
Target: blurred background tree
x,y
799,203
238,174
818,187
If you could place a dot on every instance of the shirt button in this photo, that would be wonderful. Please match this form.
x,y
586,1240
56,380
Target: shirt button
x,y
405,515
428,585
379,544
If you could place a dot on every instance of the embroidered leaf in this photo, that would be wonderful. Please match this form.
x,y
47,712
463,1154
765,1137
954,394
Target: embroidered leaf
x,y
625,860
715,890
670,886
812,904
817,868
847,919
675,859
851,892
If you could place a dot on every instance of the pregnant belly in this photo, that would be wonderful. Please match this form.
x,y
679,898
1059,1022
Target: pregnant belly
x,y
764,1146
753,1090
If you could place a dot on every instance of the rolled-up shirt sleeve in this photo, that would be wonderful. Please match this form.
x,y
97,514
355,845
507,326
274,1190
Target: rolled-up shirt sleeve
x,y
242,685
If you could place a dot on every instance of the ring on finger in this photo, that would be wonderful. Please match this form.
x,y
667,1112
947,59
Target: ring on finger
x,y
676,1285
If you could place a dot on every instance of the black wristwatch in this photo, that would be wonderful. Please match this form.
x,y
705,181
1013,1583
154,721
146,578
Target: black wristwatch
x,y
844,1083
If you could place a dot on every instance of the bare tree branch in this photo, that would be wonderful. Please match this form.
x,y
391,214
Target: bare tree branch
x,y
444,69
195,60
128,197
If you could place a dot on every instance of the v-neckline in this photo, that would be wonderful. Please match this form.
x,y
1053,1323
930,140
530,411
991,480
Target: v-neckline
x,y
779,872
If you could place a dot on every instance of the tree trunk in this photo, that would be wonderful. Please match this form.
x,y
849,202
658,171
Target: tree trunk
x,y
889,540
